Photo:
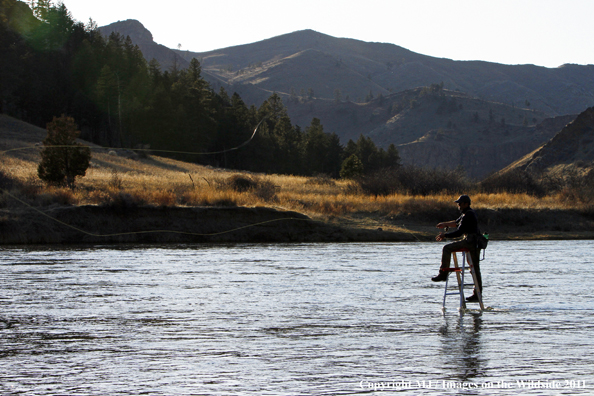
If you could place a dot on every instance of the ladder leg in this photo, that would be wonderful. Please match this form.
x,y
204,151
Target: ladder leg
x,y
445,293
477,289
460,278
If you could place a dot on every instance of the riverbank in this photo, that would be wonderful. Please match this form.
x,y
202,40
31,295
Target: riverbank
x,y
128,198
90,224
95,224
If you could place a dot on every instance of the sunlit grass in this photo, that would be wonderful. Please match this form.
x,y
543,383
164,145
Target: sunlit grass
x,y
166,182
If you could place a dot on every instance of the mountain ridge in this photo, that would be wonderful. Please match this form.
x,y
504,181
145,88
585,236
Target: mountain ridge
x,y
489,114
395,69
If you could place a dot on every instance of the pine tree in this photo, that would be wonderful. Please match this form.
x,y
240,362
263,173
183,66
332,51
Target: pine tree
x,y
62,158
351,168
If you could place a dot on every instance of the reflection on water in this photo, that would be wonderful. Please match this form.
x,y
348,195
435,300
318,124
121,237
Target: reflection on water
x,y
292,319
460,345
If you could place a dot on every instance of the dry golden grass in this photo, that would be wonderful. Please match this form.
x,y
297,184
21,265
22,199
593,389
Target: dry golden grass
x,y
166,182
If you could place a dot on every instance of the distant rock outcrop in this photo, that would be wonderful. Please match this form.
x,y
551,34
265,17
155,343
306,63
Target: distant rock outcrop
x,y
142,37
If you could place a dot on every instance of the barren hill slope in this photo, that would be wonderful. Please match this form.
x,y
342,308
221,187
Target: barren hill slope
x,y
573,147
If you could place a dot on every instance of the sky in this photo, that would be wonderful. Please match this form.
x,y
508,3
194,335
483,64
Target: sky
x,y
547,33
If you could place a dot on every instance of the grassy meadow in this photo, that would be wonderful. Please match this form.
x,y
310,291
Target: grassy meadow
x,y
117,177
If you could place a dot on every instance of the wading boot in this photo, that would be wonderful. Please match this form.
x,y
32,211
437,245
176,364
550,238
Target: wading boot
x,y
441,277
473,298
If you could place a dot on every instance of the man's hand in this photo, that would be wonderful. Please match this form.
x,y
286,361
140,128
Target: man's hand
x,y
440,237
447,224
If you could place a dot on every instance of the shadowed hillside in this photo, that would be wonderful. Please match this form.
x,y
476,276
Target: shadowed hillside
x,y
572,147
439,128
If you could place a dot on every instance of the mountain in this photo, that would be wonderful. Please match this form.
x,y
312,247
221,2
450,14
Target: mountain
x,y
142,37
572,147
438,112
295,60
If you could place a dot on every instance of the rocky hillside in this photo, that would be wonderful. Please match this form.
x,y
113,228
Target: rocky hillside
x,y
573,147
455,130
438,128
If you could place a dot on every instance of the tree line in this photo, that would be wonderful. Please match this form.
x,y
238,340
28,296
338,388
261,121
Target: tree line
x,y
51,65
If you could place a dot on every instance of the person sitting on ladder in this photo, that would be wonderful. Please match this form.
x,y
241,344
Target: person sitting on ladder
x,y
467,225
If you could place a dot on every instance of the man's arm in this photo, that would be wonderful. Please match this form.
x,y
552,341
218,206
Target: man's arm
x,y
445,224
448,224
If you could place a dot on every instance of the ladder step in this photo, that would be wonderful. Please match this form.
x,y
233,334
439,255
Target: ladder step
x,y
465,285
454,269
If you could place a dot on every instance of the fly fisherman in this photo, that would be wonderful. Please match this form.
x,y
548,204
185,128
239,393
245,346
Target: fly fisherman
x,y
467,226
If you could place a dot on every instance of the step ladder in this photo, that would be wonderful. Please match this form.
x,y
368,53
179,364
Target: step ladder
x,y
459,271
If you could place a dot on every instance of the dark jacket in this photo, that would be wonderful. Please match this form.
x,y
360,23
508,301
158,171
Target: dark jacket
x,y
467,224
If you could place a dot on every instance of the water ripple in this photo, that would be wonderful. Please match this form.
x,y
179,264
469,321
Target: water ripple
x,y
301,319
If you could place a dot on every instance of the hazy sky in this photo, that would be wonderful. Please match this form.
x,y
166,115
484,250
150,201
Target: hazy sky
x,y
541,32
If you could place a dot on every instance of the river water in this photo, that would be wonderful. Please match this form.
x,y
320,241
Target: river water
x,y
293,319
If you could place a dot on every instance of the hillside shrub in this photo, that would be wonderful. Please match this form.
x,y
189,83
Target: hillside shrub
x,y
261,188
6,182
241,183
414,180
514,182
265,190
382,182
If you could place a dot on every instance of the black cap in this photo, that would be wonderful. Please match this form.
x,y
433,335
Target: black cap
x,y
463,199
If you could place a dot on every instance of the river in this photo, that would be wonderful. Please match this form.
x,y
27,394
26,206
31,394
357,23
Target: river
x,y
293,319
